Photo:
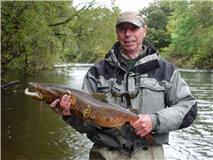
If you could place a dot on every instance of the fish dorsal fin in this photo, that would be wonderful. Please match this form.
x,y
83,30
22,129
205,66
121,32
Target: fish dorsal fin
x,y
100,96
133,110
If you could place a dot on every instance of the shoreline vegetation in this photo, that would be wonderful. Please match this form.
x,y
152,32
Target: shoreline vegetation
x,y
36,35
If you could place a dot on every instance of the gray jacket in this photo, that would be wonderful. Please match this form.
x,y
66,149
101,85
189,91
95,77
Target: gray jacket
x,y
153,86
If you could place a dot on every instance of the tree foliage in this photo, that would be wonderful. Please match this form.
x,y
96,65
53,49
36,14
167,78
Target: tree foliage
x,y
182,31
156,16
35,35
94,34
191,30
27,41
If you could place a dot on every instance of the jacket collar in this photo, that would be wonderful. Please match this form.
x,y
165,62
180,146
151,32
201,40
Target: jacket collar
x,y
147,63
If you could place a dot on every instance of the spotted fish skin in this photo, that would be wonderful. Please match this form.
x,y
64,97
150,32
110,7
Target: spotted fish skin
x,y
85,105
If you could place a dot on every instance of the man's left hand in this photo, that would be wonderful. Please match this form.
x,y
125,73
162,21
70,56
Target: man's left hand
x,y
143,125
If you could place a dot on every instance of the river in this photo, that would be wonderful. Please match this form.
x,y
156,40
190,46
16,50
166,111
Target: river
x,y
32,131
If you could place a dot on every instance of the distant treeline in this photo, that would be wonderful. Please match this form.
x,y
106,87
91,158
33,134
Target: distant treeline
x,y
35,35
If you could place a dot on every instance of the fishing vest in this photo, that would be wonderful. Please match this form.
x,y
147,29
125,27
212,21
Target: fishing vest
x,y
153,86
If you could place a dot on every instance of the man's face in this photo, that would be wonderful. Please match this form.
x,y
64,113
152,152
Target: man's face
x,y
130,37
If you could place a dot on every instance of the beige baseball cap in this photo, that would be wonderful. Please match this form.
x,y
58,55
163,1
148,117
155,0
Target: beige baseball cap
x,y
131,17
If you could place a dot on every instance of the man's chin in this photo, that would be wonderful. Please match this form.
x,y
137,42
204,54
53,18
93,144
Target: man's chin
x,y
129,49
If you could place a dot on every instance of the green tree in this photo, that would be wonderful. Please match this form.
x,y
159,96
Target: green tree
x,y
94,34
35,35
203,34
156,16
191,30
28,43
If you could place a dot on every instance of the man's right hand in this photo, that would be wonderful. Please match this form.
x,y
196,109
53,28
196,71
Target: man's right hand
x,y
62,106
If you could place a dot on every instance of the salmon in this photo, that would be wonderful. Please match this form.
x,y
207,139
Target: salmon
x,y
85,106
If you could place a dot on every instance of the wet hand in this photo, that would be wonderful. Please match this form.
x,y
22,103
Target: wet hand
x,y
65,104
62,106
143,125
55,106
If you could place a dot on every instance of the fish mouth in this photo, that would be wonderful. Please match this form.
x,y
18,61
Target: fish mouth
x,y
33,91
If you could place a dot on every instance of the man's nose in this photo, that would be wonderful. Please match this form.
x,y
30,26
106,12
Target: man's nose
x,y
127,32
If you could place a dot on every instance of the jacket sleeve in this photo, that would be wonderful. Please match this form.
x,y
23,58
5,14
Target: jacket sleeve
x,y
181,108
79,124
119,138
89,83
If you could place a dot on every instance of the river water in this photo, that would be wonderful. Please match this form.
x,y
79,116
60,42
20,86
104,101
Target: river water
x,y
31,131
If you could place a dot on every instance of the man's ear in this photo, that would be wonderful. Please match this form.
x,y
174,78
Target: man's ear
x,y
145,30
116,31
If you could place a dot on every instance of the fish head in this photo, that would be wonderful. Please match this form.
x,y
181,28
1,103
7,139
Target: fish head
x,y
41,91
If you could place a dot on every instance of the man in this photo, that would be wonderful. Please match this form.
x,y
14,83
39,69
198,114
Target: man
x,y
133,76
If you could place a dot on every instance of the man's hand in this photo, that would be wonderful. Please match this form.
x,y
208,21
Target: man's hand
x,y
143,125
62,106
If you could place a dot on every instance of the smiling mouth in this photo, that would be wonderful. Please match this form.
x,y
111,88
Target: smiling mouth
x,y
129,43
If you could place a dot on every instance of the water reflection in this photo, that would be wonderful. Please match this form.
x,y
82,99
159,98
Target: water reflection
x,y
31,131
196,141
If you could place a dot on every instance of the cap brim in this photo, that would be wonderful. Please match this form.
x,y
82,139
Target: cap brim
x,y
136,23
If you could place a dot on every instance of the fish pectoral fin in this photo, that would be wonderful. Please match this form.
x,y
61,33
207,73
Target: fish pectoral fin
x,y
100,96
127,123
69,92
